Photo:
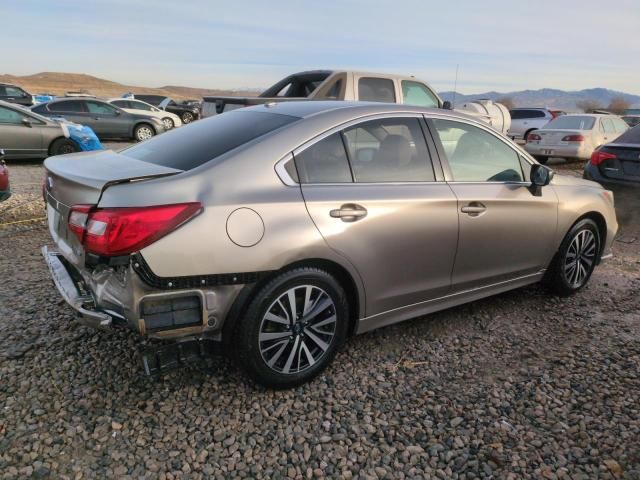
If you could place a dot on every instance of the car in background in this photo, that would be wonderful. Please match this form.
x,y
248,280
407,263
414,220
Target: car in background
x,y
574,136
25,134
526,120
617,163
631,120
5,190
354,216
131,105
107,121
14,94
188,112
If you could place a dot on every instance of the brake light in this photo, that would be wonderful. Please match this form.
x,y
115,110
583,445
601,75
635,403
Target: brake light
x,y
598,157
573,138
532,137
120,231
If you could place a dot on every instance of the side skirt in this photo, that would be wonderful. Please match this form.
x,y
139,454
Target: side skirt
x,y
442,303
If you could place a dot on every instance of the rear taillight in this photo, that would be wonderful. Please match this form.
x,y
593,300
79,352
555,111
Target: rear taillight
x,y
598,157
120,231
573,138
533,137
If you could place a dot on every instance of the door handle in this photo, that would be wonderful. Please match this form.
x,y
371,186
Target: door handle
x,y
474,209
349,212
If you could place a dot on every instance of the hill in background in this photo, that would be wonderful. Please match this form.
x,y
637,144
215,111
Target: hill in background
x,y
549,97
59,83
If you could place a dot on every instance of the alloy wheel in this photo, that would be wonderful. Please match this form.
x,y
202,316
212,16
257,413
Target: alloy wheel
x,y
187,117
144,133
297,329
168,123
580,258
67,149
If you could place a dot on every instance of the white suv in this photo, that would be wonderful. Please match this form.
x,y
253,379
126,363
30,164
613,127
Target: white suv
x,y
526,120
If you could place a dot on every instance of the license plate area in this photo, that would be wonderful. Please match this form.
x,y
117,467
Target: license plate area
x,y
547,151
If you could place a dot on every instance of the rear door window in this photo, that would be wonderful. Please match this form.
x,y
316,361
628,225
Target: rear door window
x,y
99,107
607,125
376,90
416,93
522,114
389,150
475,155
207,139
324,162
67,106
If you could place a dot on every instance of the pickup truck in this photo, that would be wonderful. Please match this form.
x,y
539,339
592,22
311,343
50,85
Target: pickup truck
x,y
335,85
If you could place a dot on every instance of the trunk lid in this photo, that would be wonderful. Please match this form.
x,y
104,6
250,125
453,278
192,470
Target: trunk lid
x,y
554,137
626,165
81,178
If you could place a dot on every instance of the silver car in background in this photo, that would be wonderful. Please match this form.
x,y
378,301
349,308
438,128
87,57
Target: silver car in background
x,y
574,136
281,230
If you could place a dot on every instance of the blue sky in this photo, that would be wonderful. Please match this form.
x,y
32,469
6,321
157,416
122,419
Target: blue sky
x,y
499,45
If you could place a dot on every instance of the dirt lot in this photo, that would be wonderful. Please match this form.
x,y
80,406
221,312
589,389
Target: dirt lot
x,y
522,385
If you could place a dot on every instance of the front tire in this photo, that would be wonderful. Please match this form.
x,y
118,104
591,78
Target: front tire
x,y
62,146
292,328
573,264
143,132
187,117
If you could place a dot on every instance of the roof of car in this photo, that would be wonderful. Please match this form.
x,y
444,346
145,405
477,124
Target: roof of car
x,y
305,109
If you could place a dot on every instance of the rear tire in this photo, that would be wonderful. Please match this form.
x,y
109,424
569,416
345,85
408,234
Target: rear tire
x,y
187,117
541,160
143,132
62,146
280,346
573,264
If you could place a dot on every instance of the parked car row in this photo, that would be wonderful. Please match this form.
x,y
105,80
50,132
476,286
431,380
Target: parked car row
x,y
26,134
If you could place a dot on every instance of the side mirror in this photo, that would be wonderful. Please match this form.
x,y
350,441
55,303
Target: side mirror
x,y
447,105
118,112
26,122
541,176
1,156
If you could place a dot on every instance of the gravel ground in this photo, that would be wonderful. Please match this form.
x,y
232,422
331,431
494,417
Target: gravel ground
x,y
522,385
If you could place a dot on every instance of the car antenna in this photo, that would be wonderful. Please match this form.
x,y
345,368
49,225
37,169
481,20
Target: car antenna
x,y
455,86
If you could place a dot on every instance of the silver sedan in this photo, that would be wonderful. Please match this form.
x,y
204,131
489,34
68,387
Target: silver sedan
x,y
280,230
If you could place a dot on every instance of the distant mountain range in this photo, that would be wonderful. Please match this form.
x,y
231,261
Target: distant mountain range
x,y
549,97
59,83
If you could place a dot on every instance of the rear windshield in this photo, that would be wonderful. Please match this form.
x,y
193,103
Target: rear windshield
x,y
630,136
571,122
197,143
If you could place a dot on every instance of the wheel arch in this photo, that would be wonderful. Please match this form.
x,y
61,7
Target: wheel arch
x,y
142,121
54,140
600,222
342,275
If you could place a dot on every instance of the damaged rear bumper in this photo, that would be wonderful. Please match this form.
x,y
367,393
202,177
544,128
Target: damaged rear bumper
x,y
82,302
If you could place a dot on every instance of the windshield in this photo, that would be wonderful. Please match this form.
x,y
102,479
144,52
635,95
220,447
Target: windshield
x,y
571,122
207,139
